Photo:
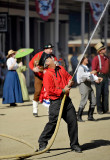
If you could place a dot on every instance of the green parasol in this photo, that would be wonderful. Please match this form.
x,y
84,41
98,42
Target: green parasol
x,y
23,52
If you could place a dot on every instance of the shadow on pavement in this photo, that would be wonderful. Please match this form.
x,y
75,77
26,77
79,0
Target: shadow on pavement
x,y
103,119
41,116
86,113
53,155
2,114
87,146
8,106
95,144
69,150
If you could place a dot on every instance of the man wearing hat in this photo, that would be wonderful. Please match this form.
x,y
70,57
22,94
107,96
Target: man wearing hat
x,y
57,82
101,64
36,66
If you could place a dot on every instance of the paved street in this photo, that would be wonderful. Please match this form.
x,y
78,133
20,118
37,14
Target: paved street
x,y
94,137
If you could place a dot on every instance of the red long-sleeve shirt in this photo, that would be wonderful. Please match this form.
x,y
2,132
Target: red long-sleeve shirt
x,y
35,60
54,82
104,64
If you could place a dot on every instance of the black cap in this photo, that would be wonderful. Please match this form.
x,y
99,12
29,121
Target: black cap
x,y
43,58
48,46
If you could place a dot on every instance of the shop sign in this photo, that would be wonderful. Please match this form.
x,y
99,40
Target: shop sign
x,y
3,22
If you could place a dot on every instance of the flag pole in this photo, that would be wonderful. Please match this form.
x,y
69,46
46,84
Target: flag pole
x,y
91,37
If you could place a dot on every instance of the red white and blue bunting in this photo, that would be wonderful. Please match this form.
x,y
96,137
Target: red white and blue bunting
x,y
96,10
44,8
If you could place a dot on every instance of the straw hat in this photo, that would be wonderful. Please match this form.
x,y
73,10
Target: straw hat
x,y
10,52
99,46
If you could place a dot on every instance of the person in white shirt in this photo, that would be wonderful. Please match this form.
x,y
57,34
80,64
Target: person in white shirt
x,y
84,79
12,90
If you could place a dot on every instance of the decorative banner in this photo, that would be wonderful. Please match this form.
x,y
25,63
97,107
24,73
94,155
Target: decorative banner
x,y
96,10
44,8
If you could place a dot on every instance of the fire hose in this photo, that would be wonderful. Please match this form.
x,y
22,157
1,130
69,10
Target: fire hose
x,y
22,156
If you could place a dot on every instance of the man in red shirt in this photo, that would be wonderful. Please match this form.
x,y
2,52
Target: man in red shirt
x,y
101,64
36,66
57,82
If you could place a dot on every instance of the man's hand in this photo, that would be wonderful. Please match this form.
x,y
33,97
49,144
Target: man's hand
x,y
37,69
66,89
70,83
100,79
93,72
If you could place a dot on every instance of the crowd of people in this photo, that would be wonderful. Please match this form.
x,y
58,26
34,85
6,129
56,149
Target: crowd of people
x,y
52,81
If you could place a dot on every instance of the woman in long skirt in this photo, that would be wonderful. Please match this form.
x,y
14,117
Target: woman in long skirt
x,y
12,90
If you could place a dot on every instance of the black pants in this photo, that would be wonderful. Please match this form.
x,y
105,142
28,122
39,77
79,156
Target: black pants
x,y
102,94
69,116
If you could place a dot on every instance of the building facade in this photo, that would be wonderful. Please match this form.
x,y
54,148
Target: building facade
x,y
57,30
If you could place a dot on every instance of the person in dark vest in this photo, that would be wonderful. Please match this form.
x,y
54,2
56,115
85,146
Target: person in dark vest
x,y
57,82
84,79
101,64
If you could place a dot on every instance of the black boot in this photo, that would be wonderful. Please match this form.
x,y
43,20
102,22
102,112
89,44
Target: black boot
x,y
90,114
79,116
